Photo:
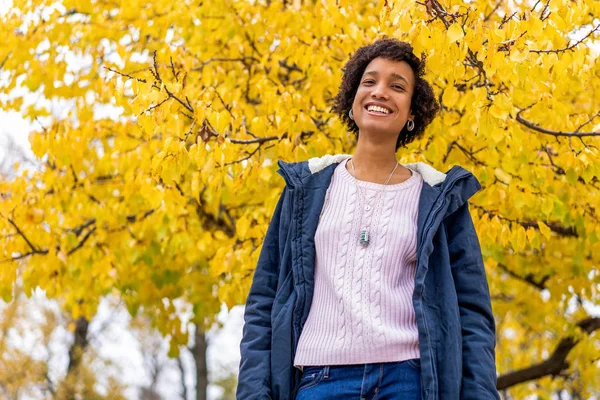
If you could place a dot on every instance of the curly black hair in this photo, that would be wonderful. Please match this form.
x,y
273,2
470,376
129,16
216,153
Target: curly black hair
x,y
423,103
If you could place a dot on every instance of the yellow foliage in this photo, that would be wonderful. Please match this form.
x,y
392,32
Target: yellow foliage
x,y
172,200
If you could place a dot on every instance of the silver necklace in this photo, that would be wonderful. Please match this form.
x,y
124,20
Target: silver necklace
x,y
364,232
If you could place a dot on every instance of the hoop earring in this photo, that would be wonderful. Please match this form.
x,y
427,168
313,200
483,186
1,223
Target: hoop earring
x,y
410,125
351,115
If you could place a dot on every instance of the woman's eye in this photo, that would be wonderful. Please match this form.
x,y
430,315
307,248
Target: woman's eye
x,y
396,86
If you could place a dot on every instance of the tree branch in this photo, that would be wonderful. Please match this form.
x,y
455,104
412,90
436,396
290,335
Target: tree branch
x,y
539,284
546,131
182,378
553,365
566,231
82,241
568,48
20,232
125,75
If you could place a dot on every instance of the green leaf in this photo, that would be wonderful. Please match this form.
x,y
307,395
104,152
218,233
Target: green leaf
x,y
571,176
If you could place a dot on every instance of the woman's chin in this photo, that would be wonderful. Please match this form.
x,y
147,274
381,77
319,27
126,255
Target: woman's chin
x,y
376,125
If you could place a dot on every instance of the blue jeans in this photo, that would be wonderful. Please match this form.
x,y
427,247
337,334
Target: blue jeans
x,y
381,381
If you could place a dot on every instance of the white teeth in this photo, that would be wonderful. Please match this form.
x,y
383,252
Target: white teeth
x,y
378,109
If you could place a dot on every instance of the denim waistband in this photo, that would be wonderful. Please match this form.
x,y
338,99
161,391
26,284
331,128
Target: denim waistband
x,y
301,367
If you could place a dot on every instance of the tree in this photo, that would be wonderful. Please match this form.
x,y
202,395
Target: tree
x,y
172,200
30,355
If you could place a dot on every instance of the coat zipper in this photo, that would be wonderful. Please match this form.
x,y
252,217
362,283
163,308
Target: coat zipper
x,y
296,302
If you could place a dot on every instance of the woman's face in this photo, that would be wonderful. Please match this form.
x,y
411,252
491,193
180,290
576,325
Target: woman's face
x,y
389,84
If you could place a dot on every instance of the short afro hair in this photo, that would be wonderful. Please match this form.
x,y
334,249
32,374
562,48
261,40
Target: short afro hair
x,y
423,103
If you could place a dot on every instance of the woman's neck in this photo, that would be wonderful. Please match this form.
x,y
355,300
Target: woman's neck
x,y
377,169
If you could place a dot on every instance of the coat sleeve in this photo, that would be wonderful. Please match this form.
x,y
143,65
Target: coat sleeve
x,y
477,321
254,377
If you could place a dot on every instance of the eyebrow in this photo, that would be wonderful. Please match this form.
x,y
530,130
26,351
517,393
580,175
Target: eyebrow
x,y
394,75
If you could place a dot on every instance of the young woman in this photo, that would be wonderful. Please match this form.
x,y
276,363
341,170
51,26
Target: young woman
x,y
370,283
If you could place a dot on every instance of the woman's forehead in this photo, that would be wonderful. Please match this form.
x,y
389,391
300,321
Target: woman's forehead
x,y
394,69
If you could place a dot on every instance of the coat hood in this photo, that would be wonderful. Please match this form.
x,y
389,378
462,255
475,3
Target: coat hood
x,y
429,174
457,184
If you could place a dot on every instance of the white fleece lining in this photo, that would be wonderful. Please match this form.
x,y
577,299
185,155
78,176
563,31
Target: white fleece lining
x,y
430,175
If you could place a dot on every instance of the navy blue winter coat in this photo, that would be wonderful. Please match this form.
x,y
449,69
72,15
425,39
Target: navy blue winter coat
x,y
451,296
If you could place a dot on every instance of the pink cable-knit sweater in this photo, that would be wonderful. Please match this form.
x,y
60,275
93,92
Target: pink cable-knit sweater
x,y
362,310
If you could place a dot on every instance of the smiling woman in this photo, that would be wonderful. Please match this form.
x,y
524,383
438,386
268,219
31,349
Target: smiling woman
x,y
370,283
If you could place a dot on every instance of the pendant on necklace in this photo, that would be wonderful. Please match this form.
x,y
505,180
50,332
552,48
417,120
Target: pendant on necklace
x,y
364,237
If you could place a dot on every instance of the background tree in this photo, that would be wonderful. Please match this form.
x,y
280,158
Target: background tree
x,y
172,201
38,340
31,332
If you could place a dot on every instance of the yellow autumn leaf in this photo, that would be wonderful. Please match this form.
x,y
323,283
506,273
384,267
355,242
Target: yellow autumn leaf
x,y
502,175
265,174
544,229
547,206
498,112
519,56
518,238
242,225
450,96
455,32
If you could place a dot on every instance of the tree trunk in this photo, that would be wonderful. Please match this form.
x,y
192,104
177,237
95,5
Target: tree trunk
x,y
79,344
68,387
199,352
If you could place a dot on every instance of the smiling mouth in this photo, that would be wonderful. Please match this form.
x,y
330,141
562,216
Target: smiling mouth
x,y
377,113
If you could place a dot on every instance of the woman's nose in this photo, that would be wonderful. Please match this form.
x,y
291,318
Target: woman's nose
x,y
379,91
